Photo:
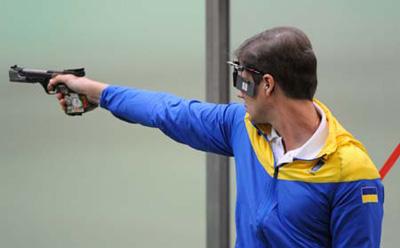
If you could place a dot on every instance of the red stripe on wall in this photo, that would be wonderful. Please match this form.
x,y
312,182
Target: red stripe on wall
x,y
390,162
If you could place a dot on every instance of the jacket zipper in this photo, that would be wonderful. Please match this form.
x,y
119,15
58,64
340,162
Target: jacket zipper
x,y
319,163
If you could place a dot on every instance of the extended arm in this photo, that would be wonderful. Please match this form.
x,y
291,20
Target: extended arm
x,y
204,126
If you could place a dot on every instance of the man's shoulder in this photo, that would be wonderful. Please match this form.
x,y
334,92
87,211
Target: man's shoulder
x,y
355,163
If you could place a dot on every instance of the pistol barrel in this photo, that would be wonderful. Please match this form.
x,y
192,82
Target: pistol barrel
x,y
20,74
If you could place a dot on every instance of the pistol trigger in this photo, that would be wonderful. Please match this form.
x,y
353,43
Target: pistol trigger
x,y
51,92
44,85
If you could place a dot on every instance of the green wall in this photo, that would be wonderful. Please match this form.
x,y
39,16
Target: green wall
x,y
94,181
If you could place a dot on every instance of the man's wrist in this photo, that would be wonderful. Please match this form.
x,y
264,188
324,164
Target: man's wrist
x,y
95,91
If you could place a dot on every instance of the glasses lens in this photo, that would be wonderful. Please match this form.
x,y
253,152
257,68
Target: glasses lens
x,y
246,86
239,83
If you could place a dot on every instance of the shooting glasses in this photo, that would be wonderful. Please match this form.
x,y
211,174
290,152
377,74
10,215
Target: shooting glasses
x,y
249,87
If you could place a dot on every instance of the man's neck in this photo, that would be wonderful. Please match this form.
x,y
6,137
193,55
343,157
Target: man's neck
x,y
296,121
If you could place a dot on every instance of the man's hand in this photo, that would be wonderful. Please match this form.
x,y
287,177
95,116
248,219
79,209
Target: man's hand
x,y
82,85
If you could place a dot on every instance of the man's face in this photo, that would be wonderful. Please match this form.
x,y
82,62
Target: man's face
x,y
254,105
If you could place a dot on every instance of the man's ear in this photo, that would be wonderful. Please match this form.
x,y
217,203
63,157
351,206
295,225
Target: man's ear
x,y
269,84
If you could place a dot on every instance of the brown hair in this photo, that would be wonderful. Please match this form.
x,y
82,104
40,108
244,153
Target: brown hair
x,y
285,53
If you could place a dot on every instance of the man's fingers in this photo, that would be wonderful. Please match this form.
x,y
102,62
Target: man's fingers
x,y
53,82
59,79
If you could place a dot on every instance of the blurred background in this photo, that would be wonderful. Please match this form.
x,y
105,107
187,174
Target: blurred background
x,y
95,181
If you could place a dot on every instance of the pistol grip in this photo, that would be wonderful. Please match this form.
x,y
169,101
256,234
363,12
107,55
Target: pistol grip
x,y
76,104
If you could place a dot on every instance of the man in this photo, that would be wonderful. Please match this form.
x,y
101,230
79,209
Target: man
x,y
302,179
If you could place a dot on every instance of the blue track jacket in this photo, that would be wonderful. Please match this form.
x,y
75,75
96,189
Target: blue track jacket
x,y
335,200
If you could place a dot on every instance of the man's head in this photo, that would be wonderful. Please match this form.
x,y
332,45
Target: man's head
x,y
285,54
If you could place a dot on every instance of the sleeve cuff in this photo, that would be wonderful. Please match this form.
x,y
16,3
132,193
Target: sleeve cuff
x,y
103,97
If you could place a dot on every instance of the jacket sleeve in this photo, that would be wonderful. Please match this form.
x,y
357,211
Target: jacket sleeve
x,y
357,213
203,126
